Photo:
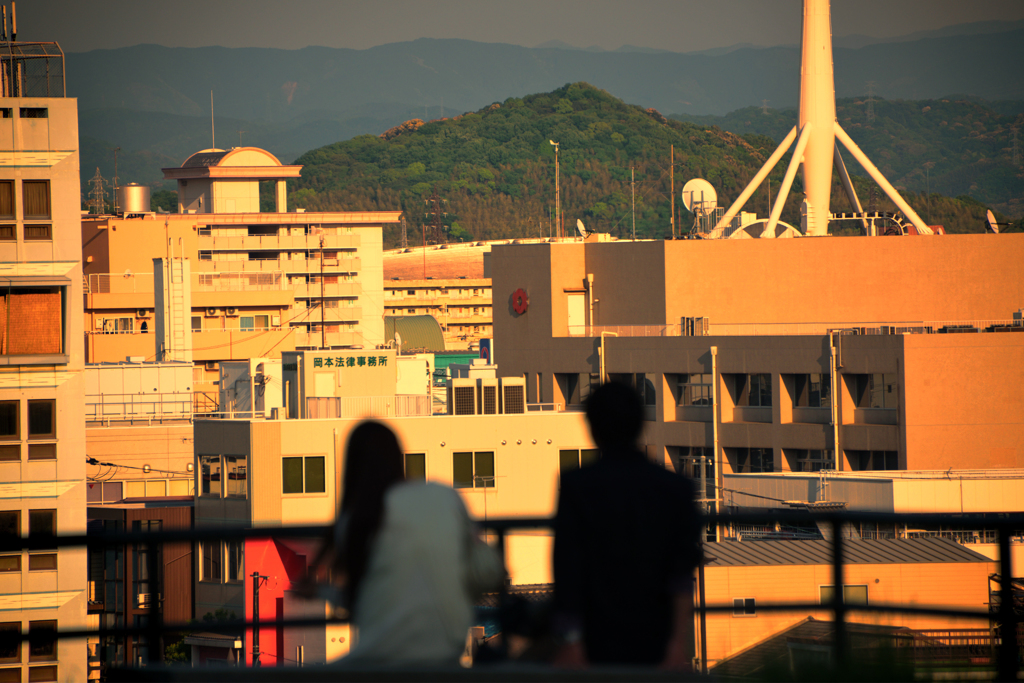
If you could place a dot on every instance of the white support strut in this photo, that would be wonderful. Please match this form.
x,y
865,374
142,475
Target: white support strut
x,y
787,181
753,184
886,186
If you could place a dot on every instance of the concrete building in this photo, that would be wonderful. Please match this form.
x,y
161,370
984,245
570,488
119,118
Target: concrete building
x,y
42,424
748,362
260,282
916,571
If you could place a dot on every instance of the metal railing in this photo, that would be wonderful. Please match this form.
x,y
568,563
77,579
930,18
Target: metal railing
x,y
399,405
130,407
119,283
1003,617
238,282
790,329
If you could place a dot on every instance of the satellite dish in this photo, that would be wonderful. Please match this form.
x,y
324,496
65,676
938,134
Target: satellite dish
x,y
580,229
700,197
990,222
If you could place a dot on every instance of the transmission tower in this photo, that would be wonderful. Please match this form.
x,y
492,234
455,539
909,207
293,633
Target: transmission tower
x,y
435,223
764,107
97,195
871,101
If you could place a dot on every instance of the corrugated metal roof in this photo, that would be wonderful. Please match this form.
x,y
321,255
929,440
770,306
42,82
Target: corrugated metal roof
x,y
855,551
419,332
205,159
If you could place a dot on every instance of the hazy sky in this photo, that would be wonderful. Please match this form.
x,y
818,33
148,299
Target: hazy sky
x,y
678,25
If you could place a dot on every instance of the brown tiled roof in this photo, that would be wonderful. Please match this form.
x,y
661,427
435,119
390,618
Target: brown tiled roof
x,y
855,551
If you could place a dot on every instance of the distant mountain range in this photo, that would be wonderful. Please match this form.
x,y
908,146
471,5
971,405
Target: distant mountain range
x,y
154,102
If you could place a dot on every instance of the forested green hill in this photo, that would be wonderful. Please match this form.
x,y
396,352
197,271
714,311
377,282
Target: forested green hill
x,y
495,167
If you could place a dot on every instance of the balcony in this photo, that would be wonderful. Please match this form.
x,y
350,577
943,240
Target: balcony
x,y
279,242
312,290
330,340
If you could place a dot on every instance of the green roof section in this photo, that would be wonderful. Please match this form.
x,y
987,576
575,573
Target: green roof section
x,y
420,333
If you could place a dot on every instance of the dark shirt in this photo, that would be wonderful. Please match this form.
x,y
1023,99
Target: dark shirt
x,y
626,540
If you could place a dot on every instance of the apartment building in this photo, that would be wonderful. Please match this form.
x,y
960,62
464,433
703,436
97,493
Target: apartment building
x,y
42,425
260,282
461,305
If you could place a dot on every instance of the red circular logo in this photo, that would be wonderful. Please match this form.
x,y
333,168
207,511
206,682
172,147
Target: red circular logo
x,y
520,302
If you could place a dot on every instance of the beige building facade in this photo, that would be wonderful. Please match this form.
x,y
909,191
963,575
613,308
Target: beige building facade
x,y
260,282
42,425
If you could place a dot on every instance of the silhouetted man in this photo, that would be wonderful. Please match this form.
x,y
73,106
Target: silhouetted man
x,y
626,545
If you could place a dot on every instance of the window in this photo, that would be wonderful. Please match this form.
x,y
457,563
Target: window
x,y
118,325
43,306
694,390
209,473
41,419
42,641
35,197
7,199
143,585
6,113
744,607
303,474
42,674
814,460
416,466
38,232
10,642
812,391
754,390
10,427
8,233
749,460
211,561
473,470
10,563
42,523
250,323
852,594
197,323
878,390
874,460
10,524
236,474
236,560
34,113
574,459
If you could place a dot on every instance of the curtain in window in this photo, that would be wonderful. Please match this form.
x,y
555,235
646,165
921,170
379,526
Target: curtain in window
x,y
37,198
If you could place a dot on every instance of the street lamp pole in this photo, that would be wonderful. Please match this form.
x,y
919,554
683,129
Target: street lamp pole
x,y
558,202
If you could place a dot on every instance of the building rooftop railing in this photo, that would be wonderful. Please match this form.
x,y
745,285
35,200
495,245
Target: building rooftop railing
x,y
1003,615
876,328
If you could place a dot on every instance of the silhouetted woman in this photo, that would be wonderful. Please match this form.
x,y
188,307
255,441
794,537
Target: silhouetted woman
x,y
412,562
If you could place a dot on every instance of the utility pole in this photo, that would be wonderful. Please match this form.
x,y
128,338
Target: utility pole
x,y
632,197
672,191
405,238
558,199
116,150
256,617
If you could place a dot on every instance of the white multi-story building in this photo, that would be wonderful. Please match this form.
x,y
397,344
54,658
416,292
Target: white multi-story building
x,y
42,424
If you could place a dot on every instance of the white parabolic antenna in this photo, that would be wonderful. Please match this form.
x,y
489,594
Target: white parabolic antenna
x,y
699,197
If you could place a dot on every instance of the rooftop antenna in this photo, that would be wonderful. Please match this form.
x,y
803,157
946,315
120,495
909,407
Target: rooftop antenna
x,y
213,131
3,32
700,199
815,136
580,229
14,24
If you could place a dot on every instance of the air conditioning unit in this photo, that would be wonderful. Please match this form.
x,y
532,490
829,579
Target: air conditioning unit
x,y
142,313
211,365
231,311
211,312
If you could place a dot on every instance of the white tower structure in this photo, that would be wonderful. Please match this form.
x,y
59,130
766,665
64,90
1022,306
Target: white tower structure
x,y
816,135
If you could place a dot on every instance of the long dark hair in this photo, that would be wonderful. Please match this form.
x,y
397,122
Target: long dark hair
x,y
373,464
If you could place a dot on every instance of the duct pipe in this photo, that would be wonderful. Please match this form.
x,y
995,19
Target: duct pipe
x,y
716,419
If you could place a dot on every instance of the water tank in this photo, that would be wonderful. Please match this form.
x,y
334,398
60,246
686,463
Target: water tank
x,y
133,198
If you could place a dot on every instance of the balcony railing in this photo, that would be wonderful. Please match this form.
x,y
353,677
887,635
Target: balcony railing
x,y
1005,641
238,282
368,406
107,408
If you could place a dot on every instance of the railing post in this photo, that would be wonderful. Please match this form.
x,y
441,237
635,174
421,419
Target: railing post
x,y
838,603
1008,663
154,645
